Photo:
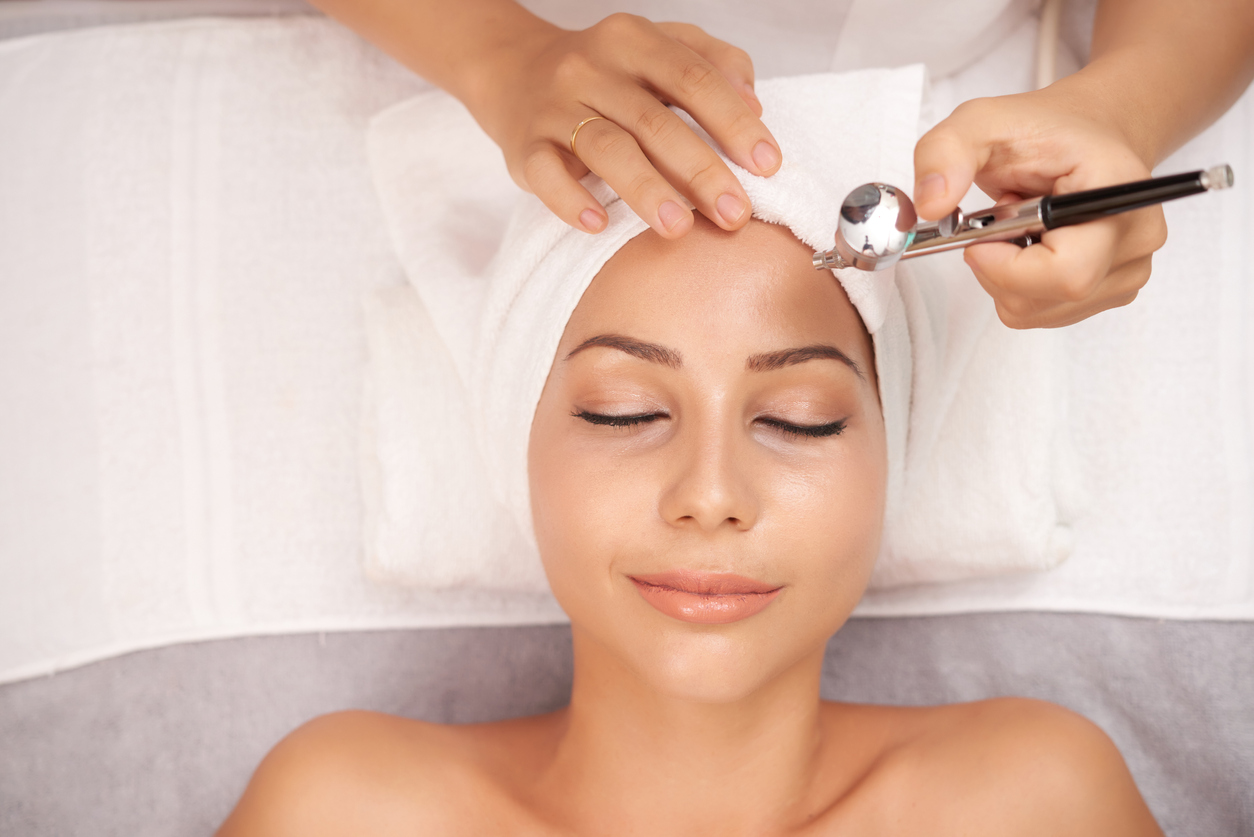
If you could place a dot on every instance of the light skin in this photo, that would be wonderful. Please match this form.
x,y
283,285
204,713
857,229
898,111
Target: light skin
x,y
1160,71
712,407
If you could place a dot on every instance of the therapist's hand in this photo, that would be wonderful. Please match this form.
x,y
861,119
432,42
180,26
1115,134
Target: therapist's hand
x,y
1042,143
541,85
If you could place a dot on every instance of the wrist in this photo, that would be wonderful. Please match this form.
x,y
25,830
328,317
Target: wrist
x,y
503,52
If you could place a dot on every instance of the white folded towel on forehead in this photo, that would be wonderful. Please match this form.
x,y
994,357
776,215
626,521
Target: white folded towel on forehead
x,y
502,323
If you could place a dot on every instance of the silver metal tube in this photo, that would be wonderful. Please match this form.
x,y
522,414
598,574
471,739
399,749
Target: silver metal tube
x,y
998,223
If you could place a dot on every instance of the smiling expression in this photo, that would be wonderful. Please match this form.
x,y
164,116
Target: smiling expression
x,y
707,460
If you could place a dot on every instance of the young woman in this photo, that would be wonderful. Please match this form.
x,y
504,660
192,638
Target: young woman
x,y
707,475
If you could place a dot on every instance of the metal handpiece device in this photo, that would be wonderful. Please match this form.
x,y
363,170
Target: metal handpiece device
x,y
878,225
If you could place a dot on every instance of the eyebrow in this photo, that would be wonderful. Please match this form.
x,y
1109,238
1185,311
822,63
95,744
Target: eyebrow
x,y
791,357
651,352
765,362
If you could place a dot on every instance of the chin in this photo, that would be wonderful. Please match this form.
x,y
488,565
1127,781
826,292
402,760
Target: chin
x,y
711,666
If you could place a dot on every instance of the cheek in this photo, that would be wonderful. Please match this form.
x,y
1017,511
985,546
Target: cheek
x,y
585,507
829,516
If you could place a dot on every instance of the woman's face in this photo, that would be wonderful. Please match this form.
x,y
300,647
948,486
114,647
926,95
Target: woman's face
x,y
707,460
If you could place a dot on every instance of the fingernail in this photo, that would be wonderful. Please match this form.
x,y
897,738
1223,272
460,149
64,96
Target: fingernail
x,y
730,208
591,220
930,188
670,214
749,92
765,157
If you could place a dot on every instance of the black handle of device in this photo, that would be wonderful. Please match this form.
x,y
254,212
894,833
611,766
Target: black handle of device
x,y
1080,207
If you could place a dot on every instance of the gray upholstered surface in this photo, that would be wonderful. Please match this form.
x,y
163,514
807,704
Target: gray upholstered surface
x,y
162,742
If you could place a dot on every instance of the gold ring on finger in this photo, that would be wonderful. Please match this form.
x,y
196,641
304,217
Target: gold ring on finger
x,y
575,132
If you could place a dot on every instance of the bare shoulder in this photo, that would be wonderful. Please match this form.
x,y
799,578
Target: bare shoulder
x,y
360,773
1019,766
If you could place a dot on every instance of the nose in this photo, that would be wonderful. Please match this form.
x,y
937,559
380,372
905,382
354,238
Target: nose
x,y
710,481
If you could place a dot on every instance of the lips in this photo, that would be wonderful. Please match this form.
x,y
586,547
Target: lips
x,y
705,598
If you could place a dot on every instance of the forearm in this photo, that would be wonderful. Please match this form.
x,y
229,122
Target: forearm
x,y
451,43
1162,70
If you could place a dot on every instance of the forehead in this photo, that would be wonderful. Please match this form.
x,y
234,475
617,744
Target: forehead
x,y
746,291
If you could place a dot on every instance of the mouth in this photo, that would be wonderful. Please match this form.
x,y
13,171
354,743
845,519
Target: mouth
x,y
705,598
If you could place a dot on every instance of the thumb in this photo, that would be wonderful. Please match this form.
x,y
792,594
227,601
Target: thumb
x,y
946,159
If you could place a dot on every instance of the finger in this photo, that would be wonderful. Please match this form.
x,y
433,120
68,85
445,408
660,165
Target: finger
x,y
1072,264
686,161
1068,265
546,172
946,160
1022,312
734,63
1124,286
613,154
1141,233
990,142
682,76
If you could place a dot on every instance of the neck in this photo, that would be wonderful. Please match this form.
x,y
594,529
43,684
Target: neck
x,y
660,764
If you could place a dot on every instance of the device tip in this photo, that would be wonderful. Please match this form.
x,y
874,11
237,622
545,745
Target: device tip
x,y
828,260
1218,177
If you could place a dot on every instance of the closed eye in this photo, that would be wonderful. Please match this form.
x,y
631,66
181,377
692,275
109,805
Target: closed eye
x,y
811,430
618,421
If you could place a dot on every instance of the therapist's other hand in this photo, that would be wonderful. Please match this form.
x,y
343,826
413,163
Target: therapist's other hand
x,y
1031,144
543,83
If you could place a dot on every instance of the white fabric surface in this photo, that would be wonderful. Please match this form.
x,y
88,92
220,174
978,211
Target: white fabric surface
x,y
944,36
976,492
188,469
187,228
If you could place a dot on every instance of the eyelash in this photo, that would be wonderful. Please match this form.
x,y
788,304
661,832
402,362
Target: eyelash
x,y
617,421
814,431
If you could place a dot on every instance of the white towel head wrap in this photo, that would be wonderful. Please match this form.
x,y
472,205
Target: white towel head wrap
x,y
544,266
